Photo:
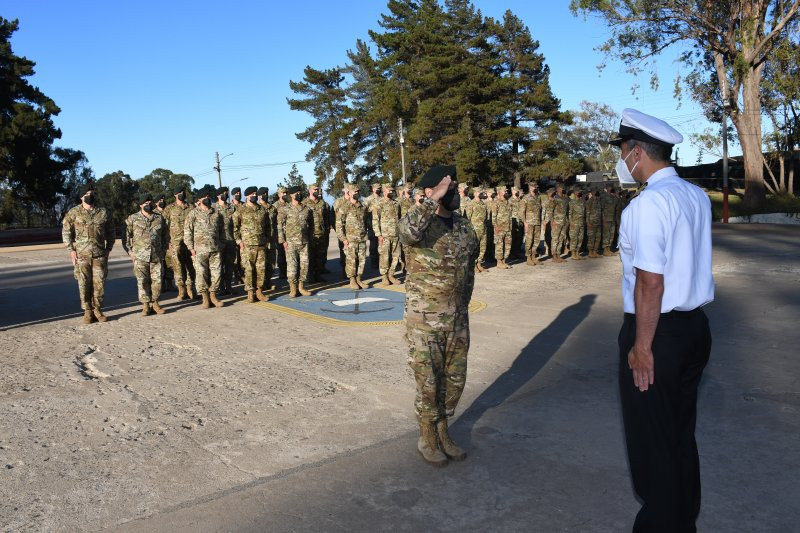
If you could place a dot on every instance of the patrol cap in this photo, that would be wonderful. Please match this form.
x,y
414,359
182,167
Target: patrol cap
x,y
436,174
144,197
642,127
560,187
236,190
375,186
262,190
179,189
292,190
281,189
250,190
387,186
463,185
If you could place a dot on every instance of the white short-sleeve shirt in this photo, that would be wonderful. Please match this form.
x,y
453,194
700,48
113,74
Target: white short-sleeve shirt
x,y
666,230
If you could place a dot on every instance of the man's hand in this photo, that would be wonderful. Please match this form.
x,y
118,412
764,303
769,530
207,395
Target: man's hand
x,y
346,242
241,246
438,192
380,240
133,259
73,255
526,226
286,246
640,361
192,252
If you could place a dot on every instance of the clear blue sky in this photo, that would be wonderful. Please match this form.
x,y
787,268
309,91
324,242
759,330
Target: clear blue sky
x,y
147,84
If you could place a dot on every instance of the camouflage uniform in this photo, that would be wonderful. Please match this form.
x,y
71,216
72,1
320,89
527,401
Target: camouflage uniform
x,y
272,243
147,239
609,218
180,258
251,230
351,226
338,205
227,253
320,234
385,215
516,224
280,205
439,287
477,213
406,203
594,221
464,200
577,223
531,216
204,233
558,227
501,220
294,225
369,204
90,234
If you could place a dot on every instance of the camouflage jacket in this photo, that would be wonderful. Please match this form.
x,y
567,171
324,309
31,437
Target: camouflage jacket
x,y
560,209
464,203
272,213
175,215
320,216
477,213
336,211
227,212
204,231
386,214
531,209
594,210
405,205
440,261
515,204
89,232
547,209
501,216
294,225
352,224
146,238
618,209
577,211
609,206
251,226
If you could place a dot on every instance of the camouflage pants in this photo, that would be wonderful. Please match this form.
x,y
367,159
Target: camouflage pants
x,y
608,232
227,256
390,255
502,245
516,237
91,272
558,234
297,262
482,245
373,250
281,261
532,237
439,362
341,254
254,263
318,254
593,236
208,268
576,233
238,270
148,280
269,265
355,258
182,265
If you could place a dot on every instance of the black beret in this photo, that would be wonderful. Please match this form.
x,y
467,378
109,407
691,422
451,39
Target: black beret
x,y
435,175
144,197
179,189
292,190
236,190
222,190
161,196
250,190
262,190
86,187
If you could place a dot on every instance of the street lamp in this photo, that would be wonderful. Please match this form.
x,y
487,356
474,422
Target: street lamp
x,y
217,167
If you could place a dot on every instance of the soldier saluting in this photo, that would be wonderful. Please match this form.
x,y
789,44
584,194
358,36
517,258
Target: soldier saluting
x,y
441,249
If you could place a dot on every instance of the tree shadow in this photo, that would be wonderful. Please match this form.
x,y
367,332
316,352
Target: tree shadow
x,y
528,363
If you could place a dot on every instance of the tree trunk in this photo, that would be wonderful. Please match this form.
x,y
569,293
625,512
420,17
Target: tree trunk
x,y
748,128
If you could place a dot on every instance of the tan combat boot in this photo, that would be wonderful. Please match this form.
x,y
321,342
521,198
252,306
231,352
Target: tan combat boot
x,y
302,290
607,252
450,449
181,291
393,280
251,298
362,284
428,447
190,292
593,254
157,308
214,300
260,295
557,259
98,314
87,316
292,289
576,256
384,281
145,309
206,301
502,264
354,284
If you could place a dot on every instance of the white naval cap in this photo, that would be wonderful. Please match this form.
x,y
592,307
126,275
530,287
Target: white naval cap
x,y
646,128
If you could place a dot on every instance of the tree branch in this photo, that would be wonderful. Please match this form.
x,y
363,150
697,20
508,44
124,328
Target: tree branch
x,y
756,56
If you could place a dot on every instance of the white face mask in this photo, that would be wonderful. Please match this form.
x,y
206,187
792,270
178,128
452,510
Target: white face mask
x,y
625,175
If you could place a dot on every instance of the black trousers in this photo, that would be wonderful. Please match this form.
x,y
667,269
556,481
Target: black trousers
x,y
660,423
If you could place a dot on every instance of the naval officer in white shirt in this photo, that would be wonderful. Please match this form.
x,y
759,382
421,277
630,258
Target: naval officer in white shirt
x,y
665,340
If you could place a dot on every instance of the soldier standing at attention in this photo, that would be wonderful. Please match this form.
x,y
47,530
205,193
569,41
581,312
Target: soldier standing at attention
x,y
559,223
577,221
180,258
227,251
594,221
88,233
547,219
463,198
406,203
147,238
320,232
516,234
339,204
272,237
280,204
618,213
369,204
251,231
609,219
477,213
501,220
442,250
167,281
531,216
204,233
386,213
236,202
294,227
351,227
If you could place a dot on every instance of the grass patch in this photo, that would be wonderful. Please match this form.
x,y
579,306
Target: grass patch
x,y
779,203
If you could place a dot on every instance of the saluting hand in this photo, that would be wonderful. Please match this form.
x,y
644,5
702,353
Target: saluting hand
x,y
640,361
438,192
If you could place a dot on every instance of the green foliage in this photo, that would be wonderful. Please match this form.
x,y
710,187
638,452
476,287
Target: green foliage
x,y
116,191
593,125
293,179
163,181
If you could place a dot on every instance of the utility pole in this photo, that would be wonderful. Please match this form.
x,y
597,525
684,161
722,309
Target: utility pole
x,y
725,150
218,168
402,150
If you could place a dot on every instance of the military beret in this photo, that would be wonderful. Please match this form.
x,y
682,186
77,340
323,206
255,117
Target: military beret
x,y
161,196
144,197
250,190
262,190
435,175
236,190
86,187
222,190
292,190
179,189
